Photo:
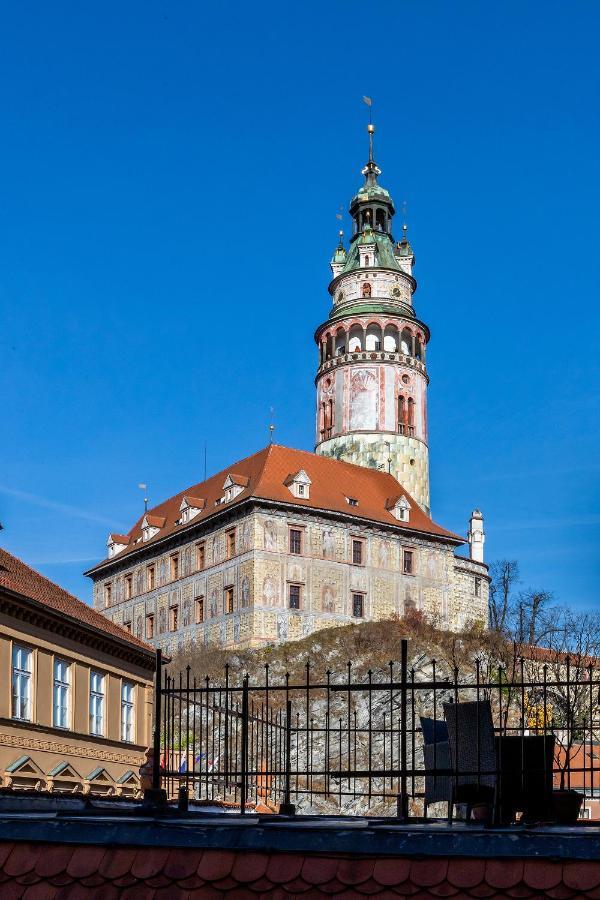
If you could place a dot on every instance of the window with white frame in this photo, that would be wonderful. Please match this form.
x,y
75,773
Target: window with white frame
x,y
127,722
61,692
96,703
21,683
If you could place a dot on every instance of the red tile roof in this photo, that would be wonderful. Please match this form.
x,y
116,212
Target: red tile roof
x,y
44,871
263,476
195,502
20,578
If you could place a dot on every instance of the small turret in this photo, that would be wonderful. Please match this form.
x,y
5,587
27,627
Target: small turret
x,y
476,536
404,253
338,260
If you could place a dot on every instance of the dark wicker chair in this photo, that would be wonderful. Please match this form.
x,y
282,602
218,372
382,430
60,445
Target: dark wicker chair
x,y
436,756
472,755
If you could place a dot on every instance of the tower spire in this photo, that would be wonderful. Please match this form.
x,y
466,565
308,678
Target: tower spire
x,y
371,170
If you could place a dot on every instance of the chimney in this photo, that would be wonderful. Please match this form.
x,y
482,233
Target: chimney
x,y
476,536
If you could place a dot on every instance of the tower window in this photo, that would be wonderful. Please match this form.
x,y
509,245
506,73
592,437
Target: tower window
x,y
151,577
294,596
358,552
366,289
107,593
295,540
228,600
478,587
358,606
128,587
230,543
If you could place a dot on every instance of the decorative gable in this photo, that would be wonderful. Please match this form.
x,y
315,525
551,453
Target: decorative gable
x,y
23,773
299,484
116,543
99,781
234,485
400,508
189,508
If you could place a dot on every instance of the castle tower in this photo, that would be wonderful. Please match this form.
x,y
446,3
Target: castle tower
x,y
372,381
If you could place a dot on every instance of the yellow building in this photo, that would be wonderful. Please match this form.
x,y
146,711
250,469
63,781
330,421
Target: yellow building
x,y
75,691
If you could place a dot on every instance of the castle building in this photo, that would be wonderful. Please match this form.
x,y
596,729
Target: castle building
x,y
286,542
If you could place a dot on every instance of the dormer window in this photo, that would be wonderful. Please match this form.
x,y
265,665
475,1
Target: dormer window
x,y
299,484
234,485
190,508
351,501
400,509
151,525
116,543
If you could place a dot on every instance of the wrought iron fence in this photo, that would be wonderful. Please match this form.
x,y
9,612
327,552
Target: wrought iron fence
x,y
392,742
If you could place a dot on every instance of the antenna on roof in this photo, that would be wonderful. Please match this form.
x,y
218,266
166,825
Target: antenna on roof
x,y
144,488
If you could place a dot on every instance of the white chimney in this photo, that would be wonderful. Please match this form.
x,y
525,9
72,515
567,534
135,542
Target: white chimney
x,y
476,536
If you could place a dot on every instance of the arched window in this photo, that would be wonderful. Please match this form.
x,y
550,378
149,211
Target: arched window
x,y
322,418
366,289
380,220
406,342
411,416
328,418
367,263
401,414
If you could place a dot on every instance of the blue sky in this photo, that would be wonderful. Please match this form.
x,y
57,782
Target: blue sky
x,y
170,178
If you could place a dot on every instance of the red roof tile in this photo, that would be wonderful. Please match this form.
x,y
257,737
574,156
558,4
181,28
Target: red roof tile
x,y
263,477
20,578
149,871
195,502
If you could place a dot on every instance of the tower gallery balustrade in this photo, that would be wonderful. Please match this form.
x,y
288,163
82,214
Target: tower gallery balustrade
x,y
330,362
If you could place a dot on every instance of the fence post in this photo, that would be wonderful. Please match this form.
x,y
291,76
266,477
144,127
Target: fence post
x,y
403,796
155,797
244,747
287,808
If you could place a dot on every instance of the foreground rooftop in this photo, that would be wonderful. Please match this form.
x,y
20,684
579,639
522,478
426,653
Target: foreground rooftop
x,y
71,845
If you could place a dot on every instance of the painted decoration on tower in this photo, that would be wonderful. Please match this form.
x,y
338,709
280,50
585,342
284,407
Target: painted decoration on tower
x,y
328,598
244,537
270,535
245,590
270,592
328,544
384,554
363,400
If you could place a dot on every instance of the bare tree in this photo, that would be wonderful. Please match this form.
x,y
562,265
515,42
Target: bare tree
x,y
504,574
533,618
571,653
